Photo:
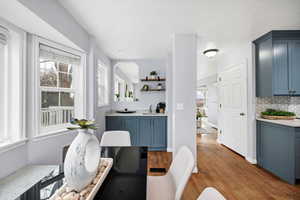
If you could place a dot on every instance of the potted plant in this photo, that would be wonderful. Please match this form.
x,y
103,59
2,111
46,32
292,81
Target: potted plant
x,y
199,118
153,75
117,96
278,114
83,156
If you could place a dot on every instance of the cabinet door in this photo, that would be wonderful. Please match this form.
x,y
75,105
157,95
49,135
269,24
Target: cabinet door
x,y
145,131
114,123
280,68
131,125
277,150
294,63
159,137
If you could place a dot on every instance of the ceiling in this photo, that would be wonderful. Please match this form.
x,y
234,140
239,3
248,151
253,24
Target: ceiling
x,y
135,29
15,13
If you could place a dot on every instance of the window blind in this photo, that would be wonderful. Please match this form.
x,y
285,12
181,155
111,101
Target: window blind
x,y
51,53
3,35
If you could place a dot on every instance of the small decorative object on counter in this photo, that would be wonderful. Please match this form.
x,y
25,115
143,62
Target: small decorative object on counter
x,y
273,114
161,107
153,75
146,78
145,88
159,86
83,156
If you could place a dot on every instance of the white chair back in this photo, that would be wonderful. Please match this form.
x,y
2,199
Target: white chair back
x,y
211,193
181,169
115,138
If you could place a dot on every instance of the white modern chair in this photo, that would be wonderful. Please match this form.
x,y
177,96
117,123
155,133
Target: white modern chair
x,y
211,193
171,185
115,138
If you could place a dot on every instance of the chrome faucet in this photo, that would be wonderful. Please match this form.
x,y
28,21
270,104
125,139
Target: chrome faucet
x,y
150,108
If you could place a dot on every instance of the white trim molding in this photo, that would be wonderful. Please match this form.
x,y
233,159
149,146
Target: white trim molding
x,y
251,160
80,99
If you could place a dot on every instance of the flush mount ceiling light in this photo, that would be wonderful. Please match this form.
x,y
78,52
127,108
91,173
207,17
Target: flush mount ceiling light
x,y
210,52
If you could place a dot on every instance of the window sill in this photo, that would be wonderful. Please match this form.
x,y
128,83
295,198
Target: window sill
x,y
51,134
103,106
12,145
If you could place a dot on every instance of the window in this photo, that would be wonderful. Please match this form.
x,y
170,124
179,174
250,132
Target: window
x,y
102,79
12,83
3,83
61,86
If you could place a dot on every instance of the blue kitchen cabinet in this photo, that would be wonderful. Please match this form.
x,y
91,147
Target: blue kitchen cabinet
x,y
130,125
278,64
150,131
278,150
294,63
159,139
145,127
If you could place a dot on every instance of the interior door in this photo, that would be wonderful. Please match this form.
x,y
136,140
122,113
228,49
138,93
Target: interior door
x,y
233,108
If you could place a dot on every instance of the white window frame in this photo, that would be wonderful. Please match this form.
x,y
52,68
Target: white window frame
x,y
16,46
80,98
104,67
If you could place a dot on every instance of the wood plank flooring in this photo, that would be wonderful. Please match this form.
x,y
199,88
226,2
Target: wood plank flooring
x,y
230,173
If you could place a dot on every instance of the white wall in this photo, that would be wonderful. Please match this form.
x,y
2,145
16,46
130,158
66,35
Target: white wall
x,y
184,85
48,150
145,98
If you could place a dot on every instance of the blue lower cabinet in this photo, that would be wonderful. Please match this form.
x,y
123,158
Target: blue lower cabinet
x,y
159,139
144,130
278,149
131,126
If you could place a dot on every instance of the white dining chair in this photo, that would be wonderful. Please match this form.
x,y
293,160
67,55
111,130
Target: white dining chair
x,y
211,193
171,185
115,138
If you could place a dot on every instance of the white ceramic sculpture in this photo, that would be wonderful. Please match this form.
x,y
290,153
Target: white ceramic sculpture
x,y
82,160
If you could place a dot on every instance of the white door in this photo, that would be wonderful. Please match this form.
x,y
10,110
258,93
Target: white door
x,y
233,108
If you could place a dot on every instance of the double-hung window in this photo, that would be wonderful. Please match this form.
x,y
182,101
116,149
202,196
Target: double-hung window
x,y
3,84
102,79
61,86
12,83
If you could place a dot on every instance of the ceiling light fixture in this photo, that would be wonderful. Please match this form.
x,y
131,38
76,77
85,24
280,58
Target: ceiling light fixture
x,y
210,52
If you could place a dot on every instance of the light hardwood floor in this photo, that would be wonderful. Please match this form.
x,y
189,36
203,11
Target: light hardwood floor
x,y
230,173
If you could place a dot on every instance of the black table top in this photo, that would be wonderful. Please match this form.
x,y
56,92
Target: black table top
x,y
128,177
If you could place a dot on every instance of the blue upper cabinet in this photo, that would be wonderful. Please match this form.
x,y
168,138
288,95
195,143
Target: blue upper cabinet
x,y
278,64
294,70
281,68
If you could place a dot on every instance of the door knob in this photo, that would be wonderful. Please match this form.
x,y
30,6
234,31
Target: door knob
x,y
242,114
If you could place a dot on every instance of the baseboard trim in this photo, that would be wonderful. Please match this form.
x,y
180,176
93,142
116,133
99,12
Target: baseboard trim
x,y
195,170
251,160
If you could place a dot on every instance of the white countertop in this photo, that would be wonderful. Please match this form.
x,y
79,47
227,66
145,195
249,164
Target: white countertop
x,y
292,123
12,186
137,113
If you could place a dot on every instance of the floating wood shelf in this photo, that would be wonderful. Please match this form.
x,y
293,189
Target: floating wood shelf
x,y
161,79
154,90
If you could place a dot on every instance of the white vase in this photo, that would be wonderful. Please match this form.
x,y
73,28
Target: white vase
x,y
82,160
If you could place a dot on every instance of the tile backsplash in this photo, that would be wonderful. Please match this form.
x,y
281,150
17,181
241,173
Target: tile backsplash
x,y
291,104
